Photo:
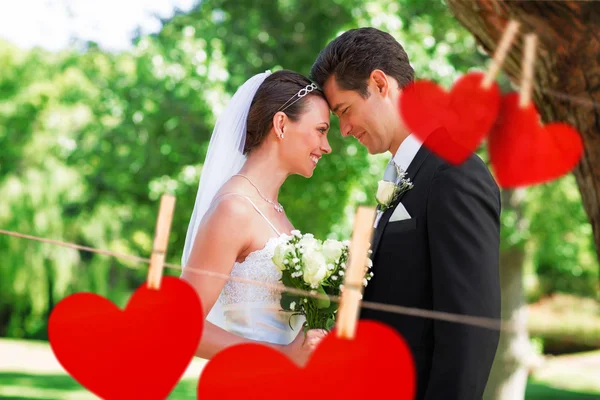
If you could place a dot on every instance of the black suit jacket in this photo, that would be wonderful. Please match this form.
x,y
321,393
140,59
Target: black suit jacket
x,y
445,258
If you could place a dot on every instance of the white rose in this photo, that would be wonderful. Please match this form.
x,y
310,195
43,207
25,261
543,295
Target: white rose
x,y
279,257
385,191
315,268
332,250
309,243
285,237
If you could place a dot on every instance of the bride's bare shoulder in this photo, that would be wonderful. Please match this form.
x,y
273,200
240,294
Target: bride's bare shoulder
x,y
223,228
231,206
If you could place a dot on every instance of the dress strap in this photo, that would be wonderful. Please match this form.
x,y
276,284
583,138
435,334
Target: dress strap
x,y
257,210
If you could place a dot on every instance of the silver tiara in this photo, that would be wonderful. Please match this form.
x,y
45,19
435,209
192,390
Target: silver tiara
x,y
301,93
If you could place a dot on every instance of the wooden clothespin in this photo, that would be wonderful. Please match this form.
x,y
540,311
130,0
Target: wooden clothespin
x,y
529,52
161,240
347,316
508,36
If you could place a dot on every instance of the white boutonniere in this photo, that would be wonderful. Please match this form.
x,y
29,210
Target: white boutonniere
x,y
387,191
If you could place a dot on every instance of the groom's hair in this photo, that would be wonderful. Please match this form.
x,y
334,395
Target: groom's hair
x,y
279,87
352,56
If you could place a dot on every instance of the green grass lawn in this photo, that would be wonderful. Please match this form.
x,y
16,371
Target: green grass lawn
x,y
564,378
542,391
19,386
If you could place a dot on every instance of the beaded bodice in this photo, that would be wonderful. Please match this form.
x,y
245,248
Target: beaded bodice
x,y
252,310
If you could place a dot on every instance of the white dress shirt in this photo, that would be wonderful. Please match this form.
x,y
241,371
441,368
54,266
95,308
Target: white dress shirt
x,y
407,151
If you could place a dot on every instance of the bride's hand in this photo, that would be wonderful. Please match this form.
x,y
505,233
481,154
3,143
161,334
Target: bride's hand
x,y
303,345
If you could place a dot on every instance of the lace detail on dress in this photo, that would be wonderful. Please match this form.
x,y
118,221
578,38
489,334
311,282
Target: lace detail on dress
x,y
257,266
253,311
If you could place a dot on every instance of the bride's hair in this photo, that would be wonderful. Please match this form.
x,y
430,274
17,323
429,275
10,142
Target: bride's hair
x,y
279,88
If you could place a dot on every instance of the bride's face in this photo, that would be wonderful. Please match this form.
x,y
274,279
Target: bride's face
x,y
305,141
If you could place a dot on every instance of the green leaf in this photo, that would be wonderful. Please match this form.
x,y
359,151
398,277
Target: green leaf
x,y
332,308
287,299
286,278
330,324
322,303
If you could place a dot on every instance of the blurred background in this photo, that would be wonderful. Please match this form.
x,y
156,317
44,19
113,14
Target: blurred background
x,y
104,106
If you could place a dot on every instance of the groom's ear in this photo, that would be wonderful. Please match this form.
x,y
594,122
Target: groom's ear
x,y
380,81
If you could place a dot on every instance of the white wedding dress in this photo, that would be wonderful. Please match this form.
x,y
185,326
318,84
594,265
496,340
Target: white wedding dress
x,y
254,311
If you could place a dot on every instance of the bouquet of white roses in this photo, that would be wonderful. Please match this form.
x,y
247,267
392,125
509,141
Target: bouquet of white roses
x,y
309,264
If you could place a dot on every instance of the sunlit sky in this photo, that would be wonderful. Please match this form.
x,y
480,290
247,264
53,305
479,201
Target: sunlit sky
x,y
52,24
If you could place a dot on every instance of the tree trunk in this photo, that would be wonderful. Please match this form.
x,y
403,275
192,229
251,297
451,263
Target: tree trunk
x,y
508,377
567,62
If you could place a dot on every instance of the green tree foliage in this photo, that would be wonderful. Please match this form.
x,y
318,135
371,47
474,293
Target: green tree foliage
x,y
564,257
90,140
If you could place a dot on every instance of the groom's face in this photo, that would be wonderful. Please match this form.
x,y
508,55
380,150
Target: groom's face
x,y
362,118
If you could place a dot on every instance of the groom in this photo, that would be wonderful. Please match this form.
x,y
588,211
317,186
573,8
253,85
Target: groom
x,y
437,246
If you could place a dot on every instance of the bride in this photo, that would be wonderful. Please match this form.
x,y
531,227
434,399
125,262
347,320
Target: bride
x,y
275,125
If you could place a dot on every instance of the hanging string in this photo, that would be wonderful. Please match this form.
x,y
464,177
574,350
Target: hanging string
x,y
567,97
483,322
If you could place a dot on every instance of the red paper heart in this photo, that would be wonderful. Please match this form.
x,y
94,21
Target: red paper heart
x,y
376,364
524,152
467,114
138,353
